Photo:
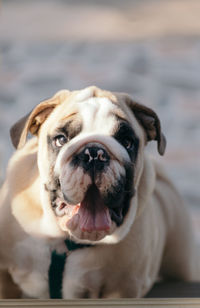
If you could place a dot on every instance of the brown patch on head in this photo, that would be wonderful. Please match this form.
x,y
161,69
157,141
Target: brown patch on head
x,y
119,114
73,126
33,121
103,93
71,115
69,125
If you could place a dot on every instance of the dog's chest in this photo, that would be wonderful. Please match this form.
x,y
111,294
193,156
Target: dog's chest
x,y
30,268
90,273
33,261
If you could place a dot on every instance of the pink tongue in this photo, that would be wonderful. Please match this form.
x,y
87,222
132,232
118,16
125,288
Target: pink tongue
x,y
94,215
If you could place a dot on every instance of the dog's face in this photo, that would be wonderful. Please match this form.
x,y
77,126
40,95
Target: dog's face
x,y
90,158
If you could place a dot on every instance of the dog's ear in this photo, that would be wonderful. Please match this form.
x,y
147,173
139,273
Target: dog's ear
x,y
32,121
150,122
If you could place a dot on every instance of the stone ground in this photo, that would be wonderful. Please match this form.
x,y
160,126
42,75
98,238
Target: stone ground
x,y
150,49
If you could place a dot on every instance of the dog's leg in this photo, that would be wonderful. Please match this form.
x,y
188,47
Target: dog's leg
x,y
181,258
182,255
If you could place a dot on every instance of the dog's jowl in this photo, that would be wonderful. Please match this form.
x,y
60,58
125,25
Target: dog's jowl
x,y
85,212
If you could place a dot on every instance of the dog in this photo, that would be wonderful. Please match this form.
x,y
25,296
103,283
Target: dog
x,y
85,179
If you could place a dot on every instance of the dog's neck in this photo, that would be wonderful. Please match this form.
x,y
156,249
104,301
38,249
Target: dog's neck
x,y
146,184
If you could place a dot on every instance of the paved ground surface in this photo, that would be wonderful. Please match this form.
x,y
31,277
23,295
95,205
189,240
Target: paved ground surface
x,y
150,49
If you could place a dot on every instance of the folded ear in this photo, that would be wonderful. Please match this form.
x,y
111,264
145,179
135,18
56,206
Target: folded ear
x,y
150,122
33,121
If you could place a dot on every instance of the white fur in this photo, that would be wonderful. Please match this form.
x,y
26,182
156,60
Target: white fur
x,y
92,112
70,179
84,94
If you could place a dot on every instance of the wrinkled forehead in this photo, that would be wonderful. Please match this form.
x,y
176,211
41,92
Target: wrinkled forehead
x,y
99,114
95,114
91,113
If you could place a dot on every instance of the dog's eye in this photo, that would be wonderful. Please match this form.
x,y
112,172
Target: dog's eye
x,y
59,141
127,143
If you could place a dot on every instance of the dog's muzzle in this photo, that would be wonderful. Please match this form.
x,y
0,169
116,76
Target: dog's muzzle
x,y
92,159
92,191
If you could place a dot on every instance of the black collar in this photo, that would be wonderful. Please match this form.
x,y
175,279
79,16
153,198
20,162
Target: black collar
x,y
71,245
56,268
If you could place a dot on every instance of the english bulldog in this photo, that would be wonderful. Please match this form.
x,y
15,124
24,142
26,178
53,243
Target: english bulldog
x,y
85,178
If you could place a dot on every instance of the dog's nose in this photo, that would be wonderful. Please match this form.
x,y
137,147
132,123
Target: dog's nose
x,y
93,158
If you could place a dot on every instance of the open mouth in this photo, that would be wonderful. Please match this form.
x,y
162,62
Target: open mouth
x,y
91,214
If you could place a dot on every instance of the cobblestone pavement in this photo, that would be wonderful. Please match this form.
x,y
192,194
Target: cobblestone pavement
x,y
157,63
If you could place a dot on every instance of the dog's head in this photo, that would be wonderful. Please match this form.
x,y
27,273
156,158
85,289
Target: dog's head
x,y
90,159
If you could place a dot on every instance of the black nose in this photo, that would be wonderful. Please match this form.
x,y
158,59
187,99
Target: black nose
x,y
92,158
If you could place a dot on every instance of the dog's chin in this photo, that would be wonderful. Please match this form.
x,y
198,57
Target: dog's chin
x,y
90,220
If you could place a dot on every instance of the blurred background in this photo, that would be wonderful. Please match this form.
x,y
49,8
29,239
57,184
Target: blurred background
x,y
147,48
